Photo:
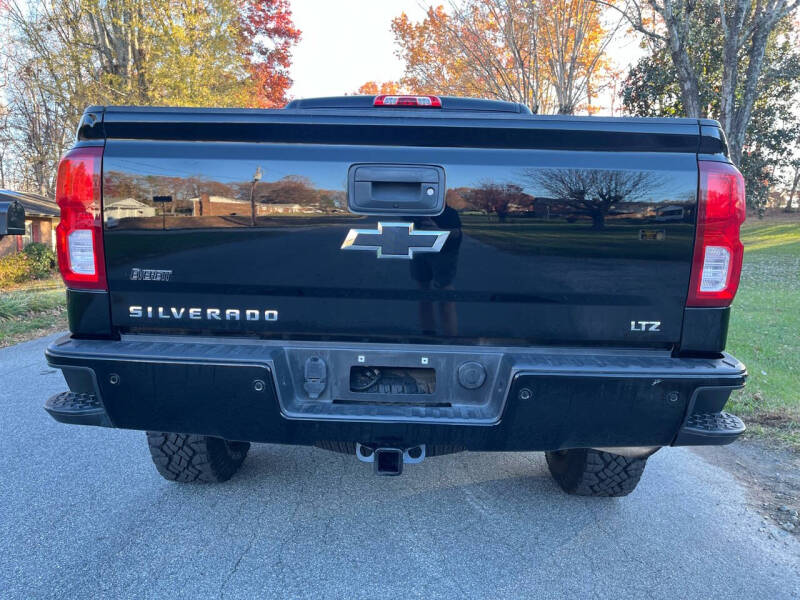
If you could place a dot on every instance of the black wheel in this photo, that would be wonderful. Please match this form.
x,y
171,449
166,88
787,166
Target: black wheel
x,y
186,458
586,472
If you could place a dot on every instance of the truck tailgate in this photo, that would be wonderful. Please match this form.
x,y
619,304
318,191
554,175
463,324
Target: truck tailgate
x,y
569,230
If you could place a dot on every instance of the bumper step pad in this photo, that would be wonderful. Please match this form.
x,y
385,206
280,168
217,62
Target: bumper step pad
x,y
704,429
77,409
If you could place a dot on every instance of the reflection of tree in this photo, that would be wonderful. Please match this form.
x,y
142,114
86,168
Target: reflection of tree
x,y
497,198
593,192
291,189
296,190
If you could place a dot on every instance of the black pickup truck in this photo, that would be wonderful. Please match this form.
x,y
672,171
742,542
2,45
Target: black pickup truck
x,y
400,277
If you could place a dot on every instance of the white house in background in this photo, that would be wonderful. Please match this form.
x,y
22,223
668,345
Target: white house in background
x,y
127,208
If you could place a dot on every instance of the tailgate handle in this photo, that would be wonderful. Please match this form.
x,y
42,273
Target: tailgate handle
x,y
379,189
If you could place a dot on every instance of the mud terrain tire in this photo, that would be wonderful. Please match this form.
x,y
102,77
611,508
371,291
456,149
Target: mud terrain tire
x,y
587,472
195,458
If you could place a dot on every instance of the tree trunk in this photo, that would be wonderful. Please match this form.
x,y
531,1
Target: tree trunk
x,y
687,79
677,39
741,118
731,29
795,182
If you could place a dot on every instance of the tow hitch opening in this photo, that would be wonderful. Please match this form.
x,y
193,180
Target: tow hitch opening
x,y
388,461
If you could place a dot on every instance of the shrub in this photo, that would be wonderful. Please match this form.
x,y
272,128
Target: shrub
x,y
42,259
14,268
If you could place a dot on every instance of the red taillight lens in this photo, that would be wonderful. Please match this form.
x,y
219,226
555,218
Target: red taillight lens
x,y
408,101
717,262
79,235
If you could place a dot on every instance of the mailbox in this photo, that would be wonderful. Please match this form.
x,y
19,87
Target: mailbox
x,y
12,218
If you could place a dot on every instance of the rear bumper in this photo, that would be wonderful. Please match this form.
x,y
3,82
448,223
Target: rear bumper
x,y
531,399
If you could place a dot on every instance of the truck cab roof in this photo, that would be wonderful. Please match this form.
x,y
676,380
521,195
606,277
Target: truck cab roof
x,y
451,103
453,107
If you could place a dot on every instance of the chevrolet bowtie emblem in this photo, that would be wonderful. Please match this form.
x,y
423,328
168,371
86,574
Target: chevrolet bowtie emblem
x,y
395,240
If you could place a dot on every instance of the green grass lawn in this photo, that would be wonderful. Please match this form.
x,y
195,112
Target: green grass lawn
x,y
765,330
32,309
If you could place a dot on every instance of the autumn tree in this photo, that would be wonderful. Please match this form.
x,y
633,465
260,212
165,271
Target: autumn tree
x,y
746,27
267,35
195,57
63,55
542,54
373,88
574,46
483,49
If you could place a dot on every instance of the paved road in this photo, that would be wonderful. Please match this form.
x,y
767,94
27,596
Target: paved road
x,y
84,514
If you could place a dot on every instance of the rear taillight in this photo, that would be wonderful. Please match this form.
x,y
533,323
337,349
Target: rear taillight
x,y
408,101
79,235
717,262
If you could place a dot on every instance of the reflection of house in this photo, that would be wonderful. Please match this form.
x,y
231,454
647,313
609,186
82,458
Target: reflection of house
x,y
220,206
128,207
41,218
217,206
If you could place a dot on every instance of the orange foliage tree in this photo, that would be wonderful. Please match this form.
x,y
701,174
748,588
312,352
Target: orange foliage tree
x,y
266,37
548,55
373,88
574,43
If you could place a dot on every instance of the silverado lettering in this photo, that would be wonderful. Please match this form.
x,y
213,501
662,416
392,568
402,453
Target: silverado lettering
x,y
197,314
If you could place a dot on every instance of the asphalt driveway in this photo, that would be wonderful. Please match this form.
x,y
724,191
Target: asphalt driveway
x,y
84,514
